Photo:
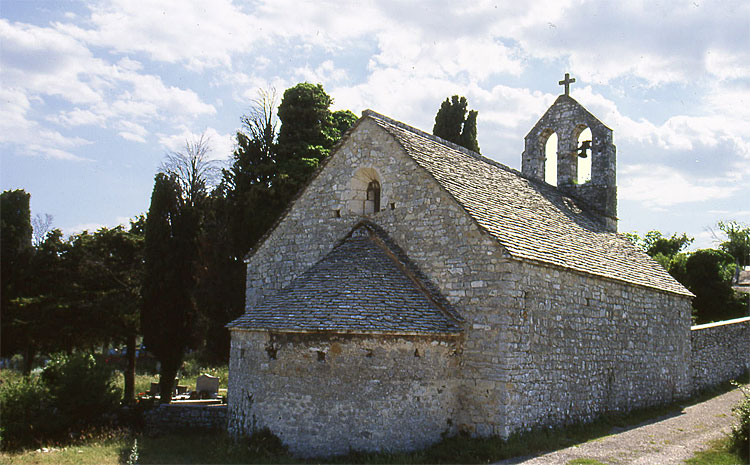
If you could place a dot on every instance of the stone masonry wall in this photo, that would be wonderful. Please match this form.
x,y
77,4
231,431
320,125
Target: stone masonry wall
x,y
721,351
524,356
363,393
172,417
582,347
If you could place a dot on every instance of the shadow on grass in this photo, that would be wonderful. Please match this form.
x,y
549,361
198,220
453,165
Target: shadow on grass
x,y
264,447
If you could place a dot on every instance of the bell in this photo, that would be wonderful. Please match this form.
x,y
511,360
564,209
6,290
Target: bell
x,y
585,145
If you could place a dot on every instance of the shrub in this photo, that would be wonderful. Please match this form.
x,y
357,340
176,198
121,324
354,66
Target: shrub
x,y
73,395
741,431
24,403
82,392
266,444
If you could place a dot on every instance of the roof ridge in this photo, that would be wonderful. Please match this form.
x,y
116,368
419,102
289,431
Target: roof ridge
x,y
453,145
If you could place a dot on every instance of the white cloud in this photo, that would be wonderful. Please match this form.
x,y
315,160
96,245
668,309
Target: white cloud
x,y
325,72
221,146
16,128
658,187
174,31
39,63
132,131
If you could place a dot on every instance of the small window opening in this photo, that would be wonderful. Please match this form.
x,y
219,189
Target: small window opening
x,y
368,354
550,162
584,152
373,197
416,353
271,351
393,206
321,356
337,213
242,353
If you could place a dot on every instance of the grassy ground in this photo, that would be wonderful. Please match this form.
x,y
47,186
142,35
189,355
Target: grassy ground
x,y
720,453
106,452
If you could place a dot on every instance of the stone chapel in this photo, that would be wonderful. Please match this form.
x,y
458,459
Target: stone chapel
x,y
416,289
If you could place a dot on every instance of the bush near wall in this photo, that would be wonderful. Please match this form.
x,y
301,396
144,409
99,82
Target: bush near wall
x,y
73,394
741,431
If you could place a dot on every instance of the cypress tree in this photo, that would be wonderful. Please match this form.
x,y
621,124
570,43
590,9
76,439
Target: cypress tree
x,y
167,318
452,124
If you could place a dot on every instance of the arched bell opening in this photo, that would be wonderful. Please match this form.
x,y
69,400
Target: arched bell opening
x,y
550,157
585,155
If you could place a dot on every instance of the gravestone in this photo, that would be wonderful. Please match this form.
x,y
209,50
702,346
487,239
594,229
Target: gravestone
x,y
207,385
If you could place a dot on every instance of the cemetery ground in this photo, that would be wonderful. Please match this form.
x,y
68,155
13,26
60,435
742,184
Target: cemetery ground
x,y
129,445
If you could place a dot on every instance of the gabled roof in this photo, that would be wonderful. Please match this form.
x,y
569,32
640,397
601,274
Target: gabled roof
x,y
530,218
364,285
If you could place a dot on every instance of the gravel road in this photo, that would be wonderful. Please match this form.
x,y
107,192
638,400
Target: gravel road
x,y
671,439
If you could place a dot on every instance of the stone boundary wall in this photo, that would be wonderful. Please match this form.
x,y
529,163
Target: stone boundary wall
x,y
719,352
170,418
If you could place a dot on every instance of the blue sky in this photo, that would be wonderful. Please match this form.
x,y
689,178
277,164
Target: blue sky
x,y
93,94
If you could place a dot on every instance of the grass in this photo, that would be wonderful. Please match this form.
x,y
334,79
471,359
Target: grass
x,y
585,462
720,453
104,452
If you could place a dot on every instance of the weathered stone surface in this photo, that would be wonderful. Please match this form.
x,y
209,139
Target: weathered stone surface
x,y
562,320
721,351
362,393
207,384
167,418
567,118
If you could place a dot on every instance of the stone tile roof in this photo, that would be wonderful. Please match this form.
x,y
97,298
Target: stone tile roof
x,y
531,219
362,286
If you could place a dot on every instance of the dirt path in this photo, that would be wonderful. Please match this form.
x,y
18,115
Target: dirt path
x,y
666,440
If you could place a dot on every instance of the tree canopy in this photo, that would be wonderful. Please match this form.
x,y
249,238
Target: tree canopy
x,y
177,276
737,243
707,273
454,125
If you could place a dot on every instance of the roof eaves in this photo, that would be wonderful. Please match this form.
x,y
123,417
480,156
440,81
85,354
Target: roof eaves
x,y
455,333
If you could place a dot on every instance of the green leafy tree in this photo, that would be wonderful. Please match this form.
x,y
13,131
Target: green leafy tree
x,y
308,131
267,171
170,256
220,293
665,250
254,186
268,167
737,243
109,273
708,275
15,260
453,124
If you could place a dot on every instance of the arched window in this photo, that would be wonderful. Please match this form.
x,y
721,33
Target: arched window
x,y
373,197
550,159
364,194
583,149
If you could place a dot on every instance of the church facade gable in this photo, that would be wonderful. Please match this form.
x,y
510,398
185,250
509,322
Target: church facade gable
x,y
443,242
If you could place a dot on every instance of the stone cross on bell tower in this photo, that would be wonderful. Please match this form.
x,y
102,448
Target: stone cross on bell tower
x,y
567,82
568,119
